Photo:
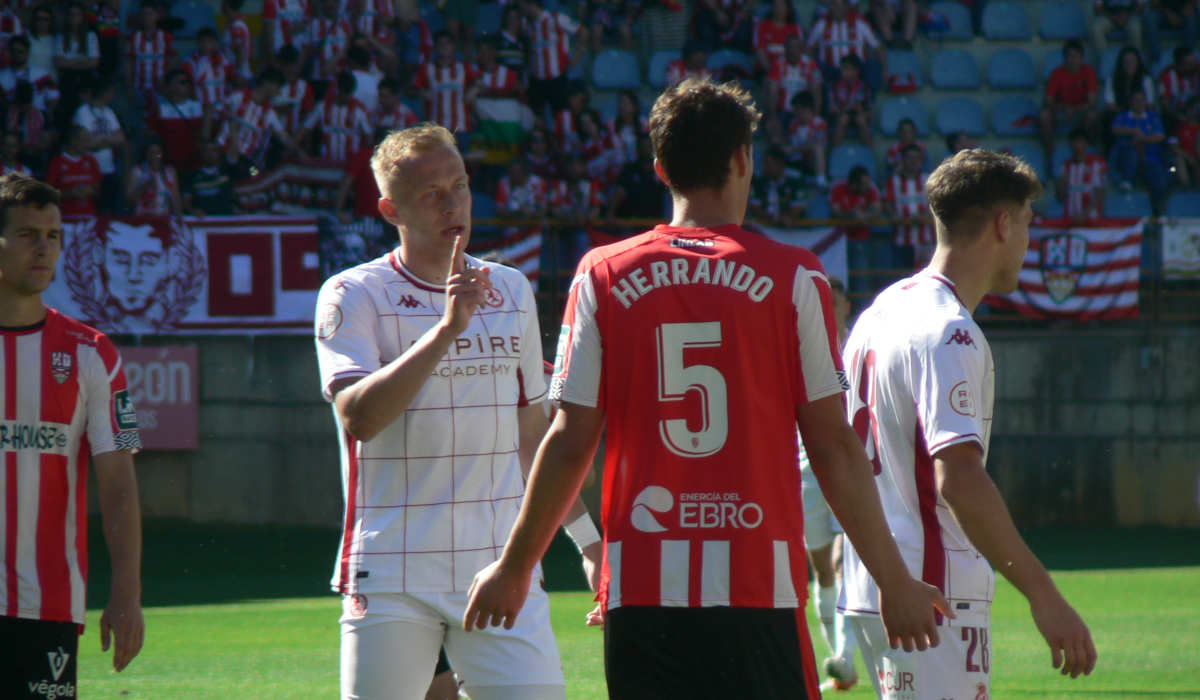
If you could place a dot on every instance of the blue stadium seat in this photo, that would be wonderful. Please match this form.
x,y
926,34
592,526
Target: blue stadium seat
x,y
1049,206
847,156
894,109
1052,59
195,15
482,206
489,18
906,66
1185,203
958,18
961,114
733,62
1009,69
818,205
433,18
605,103
1014,116
657,72
1061,20
1062,151
614,69
1127,204
1005,21
954,69
1108,63
1032,153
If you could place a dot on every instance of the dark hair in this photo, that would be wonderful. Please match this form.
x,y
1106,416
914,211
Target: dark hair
x,y
696,127
287,54
777,152
23,191
1123,84
856,173
1072,44
789,17
851,60
951,139
19,39
837,285
235,5
490,40
576,87
637,108
23,93
390,84
442,34
173,74
1077,133
908,121
270,74
804,98
357,56
909,148
968,185
346,83
1180,53
690,47
207,33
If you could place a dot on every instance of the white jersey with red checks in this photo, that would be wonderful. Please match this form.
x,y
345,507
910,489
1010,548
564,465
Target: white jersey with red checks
x,y
399,117
448,86
294,103
834,39
910,199
431,499
149,54
211,75
330,38
1084,179
921,380
291,22
256,123
699,345
793,78
237,41
64,400
344,128
551,44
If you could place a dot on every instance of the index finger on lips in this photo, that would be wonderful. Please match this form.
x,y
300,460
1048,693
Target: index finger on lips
x,y
456,258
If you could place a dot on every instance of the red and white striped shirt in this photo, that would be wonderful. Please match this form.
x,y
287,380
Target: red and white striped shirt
x,y
793,78
211,75
1084,179
770,38
551,44
835,39
156,199
65,399
397,118
580,196
294,103
499,81
290,18
530,196
332,38
895,152
1175,90
677,72
149,54
564,130
806,134
908,196
344,127
448,85
256,122
10,26
237,40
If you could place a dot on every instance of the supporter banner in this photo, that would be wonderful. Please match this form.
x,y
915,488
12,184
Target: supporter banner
x,y
827,242
196,275
1181,248
163,385
521,248
1079,273
344,244
292,188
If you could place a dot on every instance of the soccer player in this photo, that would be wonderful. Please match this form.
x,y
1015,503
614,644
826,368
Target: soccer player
x,y
703,347
921,389
64,400
433,363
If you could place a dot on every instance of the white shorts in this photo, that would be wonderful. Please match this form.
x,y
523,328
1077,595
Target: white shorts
x,y
820,526
390,644
958,668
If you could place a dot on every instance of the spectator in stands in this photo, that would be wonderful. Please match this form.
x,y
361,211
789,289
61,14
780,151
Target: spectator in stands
x,y
777,196
251,124
341,120
794,73
495,79
367,59
76,175
372,32
638,193
856,198
10,23
150,53
76,56
284,22
211,72
597,148
627,127
179,120
551,56
692,63
153,184
540,156
566,120
392,113
1175,15
360,184
723,23
521,193
238,39
10,155
1185,147
104,18
1117,15
105,139
772,33
907,204
460,17
296,98
891,16
24,120
1071,94
841,33
447,85
325,45
42,39
45,89
957,141
1139,149
607,18
807,135
414,41
208,190
906,135
850,102
1178,83
511,45
1082,181
1129,72
577,198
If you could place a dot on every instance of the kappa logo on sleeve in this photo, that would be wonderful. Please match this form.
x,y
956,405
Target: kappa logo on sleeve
x,y
962,337
962,399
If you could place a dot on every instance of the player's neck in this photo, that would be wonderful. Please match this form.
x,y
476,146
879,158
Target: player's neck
x,y
19,310
428,269
969,273
706,209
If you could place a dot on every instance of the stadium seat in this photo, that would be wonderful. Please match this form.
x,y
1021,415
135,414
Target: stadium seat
x,y
195,15
1108,63
1014,116
1032,153
433,18
958,19
961,114
1127,204
818,205
1009,69
894,109
1005,21
1185,203
1049,206
847,156
1050,60
482,206
614,69
489,18
605,103
1061,20
731,63
1062,151
906,69
657,72
954,69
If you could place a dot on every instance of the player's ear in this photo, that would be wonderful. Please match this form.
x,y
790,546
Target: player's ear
x,y
387,209
662,175
743,160
1001,223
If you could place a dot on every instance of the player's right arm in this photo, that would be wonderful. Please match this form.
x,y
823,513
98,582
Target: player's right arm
x,y
977,505
368,404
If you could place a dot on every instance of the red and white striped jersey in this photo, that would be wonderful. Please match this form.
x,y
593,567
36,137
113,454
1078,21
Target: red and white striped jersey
x,y
1174,90
155,200
834,39
291,20
294,103
26,122
896,151
65,399
399,117
1084,179
793,78
431,499
238,41
816,131
846,94
601,157
344,128
499,81
10,26
211,75
580,196
332,38
530,196
677,72
699,345
624,139
770,38
565,136
908,196
45,89
550,44
374,25
921,379
256,123
448,86
149,54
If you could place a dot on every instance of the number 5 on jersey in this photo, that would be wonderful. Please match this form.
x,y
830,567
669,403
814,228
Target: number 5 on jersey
x,y
675,380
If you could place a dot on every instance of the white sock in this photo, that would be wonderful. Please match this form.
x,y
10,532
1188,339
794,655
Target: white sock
x,y
847,643
826,600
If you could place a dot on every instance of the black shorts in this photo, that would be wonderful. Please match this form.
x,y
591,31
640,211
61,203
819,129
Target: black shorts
x,y
38,659
719,653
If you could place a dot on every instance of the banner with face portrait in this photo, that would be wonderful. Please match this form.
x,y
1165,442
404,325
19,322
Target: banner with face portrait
x,y
157,275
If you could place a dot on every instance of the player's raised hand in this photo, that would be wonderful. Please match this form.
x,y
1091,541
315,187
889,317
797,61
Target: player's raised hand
x,y
495,597
466,289
1071,646
124,621
907,609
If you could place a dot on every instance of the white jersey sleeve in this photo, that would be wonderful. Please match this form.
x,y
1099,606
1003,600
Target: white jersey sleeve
x,y
818,335
346,332
579,356
532,366
950,387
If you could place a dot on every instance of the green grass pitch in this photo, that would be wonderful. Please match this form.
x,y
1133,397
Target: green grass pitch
x,y
237,612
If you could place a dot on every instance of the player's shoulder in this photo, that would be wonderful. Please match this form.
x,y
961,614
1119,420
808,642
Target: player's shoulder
x,y
505,275
74,332
928,308
360,277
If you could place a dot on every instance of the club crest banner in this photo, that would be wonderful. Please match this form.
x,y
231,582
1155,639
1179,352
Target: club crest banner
x,y
1181,248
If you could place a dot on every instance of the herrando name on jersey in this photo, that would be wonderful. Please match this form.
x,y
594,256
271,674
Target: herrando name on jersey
x,y
676,271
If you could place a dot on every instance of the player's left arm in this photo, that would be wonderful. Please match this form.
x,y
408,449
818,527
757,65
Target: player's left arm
x,y
118,495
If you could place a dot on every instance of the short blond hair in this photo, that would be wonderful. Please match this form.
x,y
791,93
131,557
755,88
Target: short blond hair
x,y
387,163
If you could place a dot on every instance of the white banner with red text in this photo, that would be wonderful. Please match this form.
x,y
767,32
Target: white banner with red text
x,y
1181,248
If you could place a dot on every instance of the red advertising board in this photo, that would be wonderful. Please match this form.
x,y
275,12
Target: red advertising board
x,y
164,386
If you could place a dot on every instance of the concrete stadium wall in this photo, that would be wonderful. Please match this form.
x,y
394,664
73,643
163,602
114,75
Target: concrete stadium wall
x,y
1091,428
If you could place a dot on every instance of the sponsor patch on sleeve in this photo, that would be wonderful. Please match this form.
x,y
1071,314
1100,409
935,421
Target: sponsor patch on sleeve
x,y
962,399
124,412
328,321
